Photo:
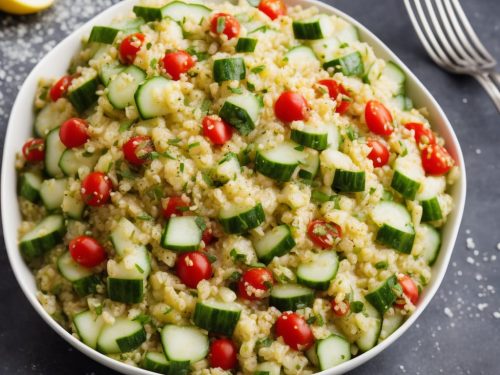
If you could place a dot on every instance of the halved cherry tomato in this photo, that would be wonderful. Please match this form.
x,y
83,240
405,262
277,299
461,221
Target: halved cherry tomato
x,y
223,354
177,63
34,150
130,46
74,132
255,284
60,88
193,267
86,251
175,206
423,135
378,118
340,309
217,130
338,93
208,236
323,234
379,155
436,160
96,189
273,8
291,106
410,290
295,331
137,150
223,23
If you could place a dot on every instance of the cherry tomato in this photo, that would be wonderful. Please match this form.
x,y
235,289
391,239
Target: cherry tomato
x,y
193,267
340,309
291,106
410,290
137,150
96,189
86,251
177,63
60,88
295,331
74,132
436,160
175,206
273,8
335,90
255,284
207,237
423,135
223,23
130,46
379,155
223,354
323,234
378,118
34,150
217,130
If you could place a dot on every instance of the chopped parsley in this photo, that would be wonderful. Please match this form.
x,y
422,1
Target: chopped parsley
x,y
145,217
200,223
142,318
382,265
258,69
153,63
221,24
237,257
139,268
194,144
173,141
236,90
211,258
181,167
124,126
205,106
357,306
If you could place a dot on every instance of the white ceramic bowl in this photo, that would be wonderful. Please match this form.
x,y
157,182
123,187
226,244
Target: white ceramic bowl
x,y
55,64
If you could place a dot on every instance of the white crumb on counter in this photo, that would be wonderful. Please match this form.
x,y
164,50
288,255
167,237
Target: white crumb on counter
x,y
448,312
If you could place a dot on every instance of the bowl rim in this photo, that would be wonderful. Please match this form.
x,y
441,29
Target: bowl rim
x,y
9,196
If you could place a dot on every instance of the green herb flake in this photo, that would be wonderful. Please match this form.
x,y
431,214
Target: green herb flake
x,y
211,258
192,145
265,342
234,277
299,148
227,157
207,178
382,265
221,24
352,134
344,45
372,190
237,257
149,45
236,90
173,141
250,86
124,126
98,309
142,318
139,268
181,167
357,306
167,310
258,69
387,196
311,320
153,63
200,223
319,320
145,217
319,197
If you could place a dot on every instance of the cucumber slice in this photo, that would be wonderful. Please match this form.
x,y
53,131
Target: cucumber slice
x,y
402,102
83,279
348,34
319,271
43,237
326,49
83,96
431,243
230,69
291,297
406,178
183,345
149,95
29,186
52,193
348,181
369,337
109,72
217,317
122,88
431,210
300,54
88,326
228,169
241,111
383,297
317,27
54,149
73,207
279,162
121,337
237,220
275,243
179,11
432,187
122,237
125,290
268,368
348,65
333,137
316,138
182,233
103,34
246,45
390,324
149,14
75,162
156,362
309,167
50,117
332,351
394,76
395,226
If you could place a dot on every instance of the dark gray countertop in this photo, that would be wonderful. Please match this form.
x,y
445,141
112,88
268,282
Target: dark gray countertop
x,y
459,332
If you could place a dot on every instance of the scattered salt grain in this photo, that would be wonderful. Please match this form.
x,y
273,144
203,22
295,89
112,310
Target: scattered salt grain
x,y
496,314
470,243
478,151
448,312
482,306
470,260
464,100
498,246
479,277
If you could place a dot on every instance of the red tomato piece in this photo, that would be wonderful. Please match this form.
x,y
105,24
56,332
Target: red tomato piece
x,y
207,237
410,290
175,206
86,251
323,234
379,155
291,106
295,331
340,309
60,88
338,93
378,118
273,8
223,23
193,267
96,189
436,160
130,46
34,150
177,63
74,132
255,284
223,354
423,135
217,130
137,150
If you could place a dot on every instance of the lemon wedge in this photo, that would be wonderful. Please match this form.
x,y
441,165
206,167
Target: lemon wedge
x,y
24,6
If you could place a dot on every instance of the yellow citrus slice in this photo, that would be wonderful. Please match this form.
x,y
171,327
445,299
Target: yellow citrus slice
x,y
24,6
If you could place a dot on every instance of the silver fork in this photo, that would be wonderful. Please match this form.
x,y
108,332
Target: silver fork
x,y
450,41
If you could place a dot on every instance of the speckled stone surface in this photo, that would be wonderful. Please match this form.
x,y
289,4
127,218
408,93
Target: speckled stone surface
x,y
459,332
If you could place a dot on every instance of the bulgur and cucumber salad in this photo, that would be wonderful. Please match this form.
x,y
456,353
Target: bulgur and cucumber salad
x,y
222,187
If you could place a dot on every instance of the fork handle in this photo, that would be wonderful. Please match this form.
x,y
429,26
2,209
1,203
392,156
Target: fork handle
x,y
488,84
